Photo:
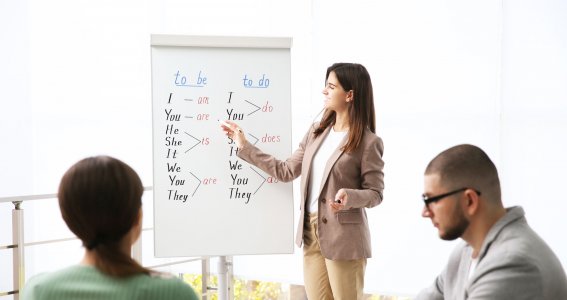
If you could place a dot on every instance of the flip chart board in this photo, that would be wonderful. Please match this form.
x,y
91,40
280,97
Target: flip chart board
x,y
207,201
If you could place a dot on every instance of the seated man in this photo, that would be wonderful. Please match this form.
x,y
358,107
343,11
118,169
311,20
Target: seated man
x,y
502,257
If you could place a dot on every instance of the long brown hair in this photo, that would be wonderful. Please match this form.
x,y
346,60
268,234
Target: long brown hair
x,y
353,77
100,199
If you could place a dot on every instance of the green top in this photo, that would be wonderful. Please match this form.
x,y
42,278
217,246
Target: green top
x,y
86,282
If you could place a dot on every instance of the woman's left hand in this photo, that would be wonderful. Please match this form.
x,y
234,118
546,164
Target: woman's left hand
x,y
340,201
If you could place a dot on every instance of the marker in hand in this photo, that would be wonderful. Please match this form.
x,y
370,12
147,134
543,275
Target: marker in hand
x,y
337,205
228,125
341,199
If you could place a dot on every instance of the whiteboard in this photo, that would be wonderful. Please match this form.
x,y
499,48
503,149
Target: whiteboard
x,y
207,201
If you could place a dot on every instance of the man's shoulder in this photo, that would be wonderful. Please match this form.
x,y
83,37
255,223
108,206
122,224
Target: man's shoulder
x,y
518,241
518,260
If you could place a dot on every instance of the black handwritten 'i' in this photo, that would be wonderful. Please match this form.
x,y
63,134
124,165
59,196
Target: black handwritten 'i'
x,y
229,96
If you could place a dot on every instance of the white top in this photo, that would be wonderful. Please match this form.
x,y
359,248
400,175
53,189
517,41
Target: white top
x,y
328,146
472,267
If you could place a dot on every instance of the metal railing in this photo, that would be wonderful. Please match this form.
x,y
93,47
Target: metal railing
x,y
18,247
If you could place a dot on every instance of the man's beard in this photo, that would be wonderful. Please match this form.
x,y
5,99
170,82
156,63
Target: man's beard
x,y
457,230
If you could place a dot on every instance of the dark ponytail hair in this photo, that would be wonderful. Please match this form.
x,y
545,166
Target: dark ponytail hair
x,y
100,200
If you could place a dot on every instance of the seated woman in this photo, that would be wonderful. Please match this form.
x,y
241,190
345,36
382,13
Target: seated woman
x,y
101,202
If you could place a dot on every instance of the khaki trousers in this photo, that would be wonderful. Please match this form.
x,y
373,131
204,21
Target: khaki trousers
x,y
325,278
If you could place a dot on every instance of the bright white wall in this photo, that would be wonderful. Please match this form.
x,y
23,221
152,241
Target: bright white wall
x,y
75,81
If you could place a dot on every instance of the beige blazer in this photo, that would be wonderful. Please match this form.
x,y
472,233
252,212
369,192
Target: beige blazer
x,y
344,235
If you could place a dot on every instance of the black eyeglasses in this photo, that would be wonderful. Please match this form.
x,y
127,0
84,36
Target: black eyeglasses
x,y
427,199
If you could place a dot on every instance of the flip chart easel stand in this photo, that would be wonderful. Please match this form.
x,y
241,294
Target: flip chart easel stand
x,y
225,278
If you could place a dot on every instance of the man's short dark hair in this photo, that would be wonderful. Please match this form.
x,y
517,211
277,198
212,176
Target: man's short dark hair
x,y
466,166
